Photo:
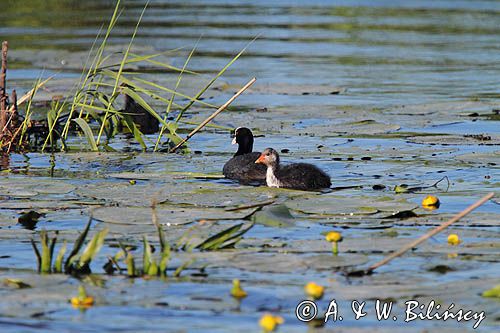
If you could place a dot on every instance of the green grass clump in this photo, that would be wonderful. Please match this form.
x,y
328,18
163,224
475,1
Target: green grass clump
x,y
94,108
76,263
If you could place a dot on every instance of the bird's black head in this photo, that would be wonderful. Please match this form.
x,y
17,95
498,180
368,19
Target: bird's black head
x,y
244,138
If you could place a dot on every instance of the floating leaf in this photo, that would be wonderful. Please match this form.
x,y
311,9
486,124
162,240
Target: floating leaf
x,y
493,292
274,216
16,283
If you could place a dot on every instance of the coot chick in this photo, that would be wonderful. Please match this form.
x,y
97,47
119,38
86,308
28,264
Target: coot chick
x,y
242,167
298,176
145,121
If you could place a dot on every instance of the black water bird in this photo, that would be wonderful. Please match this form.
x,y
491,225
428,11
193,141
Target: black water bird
x,y
242,167
298,176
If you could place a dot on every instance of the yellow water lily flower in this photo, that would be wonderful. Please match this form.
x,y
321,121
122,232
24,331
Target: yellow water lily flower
x,y
132,182
270,323
334,237
82,300
237,291
453,239
314,290
430,202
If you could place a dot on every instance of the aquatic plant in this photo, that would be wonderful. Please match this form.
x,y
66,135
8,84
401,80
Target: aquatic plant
x,y
335,238
493,292
76,263
453,239
269,322
14,128
430,202
101,84
227,238
236,291
93,107
157,265
82,300
314,290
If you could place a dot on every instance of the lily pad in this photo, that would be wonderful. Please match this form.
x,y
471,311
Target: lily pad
x,y
167,215
340,205
274,216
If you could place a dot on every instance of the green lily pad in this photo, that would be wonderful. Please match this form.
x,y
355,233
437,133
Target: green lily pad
x,y
340,205
170,215
274,216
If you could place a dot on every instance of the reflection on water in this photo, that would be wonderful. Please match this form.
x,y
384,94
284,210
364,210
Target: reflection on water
x,y
382,51
383,54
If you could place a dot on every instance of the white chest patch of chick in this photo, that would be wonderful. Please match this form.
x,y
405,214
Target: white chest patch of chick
x,y
271,179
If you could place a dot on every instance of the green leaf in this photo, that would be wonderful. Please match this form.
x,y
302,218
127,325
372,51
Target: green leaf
x,y
165,258
147,255
217,241
92,248
493,292
274,216
37,253
185,265
88,133
78,245
130,264
134,130
16,283
46,258
403,188
58,268
152,269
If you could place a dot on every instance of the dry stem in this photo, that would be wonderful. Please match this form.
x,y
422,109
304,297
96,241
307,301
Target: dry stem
x,y
213,115
429,234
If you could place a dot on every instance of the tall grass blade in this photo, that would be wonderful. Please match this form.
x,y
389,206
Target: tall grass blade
x,y
58,265
147,255
185,265
88,133
130,265
37,254
93,67
134,130
78,245
122,65
209,84
92,248
46,258
165,258
171,101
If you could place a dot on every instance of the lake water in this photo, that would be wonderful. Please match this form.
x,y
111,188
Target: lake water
x,y
373,92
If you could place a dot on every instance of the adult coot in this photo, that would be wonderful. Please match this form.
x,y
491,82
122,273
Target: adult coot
x,y
242,166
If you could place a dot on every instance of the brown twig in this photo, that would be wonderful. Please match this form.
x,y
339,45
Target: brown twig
x,y
424,237
29,94
3,87
13,114
213,115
